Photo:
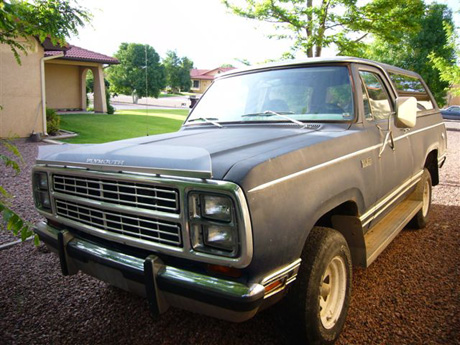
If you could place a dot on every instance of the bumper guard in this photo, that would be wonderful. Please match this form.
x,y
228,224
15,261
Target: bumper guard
x,y
162,285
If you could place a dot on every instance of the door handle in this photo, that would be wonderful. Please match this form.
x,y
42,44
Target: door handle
x,y
388,137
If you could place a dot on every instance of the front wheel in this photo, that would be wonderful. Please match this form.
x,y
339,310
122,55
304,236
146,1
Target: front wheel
x,y
423,193
320,297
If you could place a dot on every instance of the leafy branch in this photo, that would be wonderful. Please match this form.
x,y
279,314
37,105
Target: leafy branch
x,y
343,23
449,71
11,220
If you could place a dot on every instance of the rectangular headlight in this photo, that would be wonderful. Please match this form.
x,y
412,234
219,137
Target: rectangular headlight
x,y
221,237
44,200
41,180
41,191
217,207
213,223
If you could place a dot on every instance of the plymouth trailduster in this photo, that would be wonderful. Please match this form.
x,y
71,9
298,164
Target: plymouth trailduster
x,y
282,177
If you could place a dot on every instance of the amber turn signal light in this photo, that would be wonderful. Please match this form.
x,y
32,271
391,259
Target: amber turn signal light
x,y
273,286
224,270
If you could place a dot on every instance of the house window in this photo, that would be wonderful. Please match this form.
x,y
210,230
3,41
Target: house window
x,y
196,84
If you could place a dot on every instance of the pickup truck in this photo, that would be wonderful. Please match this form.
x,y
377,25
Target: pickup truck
x,y
282,178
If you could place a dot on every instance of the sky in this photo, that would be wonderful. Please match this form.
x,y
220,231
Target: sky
x,y
203,30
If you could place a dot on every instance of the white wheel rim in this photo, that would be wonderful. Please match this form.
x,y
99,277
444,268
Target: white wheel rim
x,y
426,198
332,292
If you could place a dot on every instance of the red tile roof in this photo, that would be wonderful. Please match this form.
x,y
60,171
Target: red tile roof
x,y
75,53
203,77
204,74
197,72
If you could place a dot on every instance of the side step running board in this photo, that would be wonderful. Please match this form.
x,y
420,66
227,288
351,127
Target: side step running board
x,y
386,230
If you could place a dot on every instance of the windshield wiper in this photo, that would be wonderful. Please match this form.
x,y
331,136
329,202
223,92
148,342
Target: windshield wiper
x,y
208,120
274,113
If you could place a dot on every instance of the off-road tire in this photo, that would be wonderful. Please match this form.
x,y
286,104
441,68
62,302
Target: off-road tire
x,y
423,192
326,251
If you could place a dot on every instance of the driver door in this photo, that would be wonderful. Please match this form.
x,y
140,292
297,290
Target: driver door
x,y
393,154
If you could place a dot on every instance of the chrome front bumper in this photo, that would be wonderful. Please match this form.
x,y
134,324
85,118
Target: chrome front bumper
x,y
162,285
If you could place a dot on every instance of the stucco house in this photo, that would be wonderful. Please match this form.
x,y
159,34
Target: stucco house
x,y
49,76
453,99
202,78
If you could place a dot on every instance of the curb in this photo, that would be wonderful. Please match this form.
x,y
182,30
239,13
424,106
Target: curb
x,y
54,142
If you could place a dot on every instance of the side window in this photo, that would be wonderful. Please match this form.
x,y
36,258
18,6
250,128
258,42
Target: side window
x,y
409,86
367,107
379,102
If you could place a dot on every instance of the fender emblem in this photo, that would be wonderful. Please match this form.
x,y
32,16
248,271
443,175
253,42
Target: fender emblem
x,y
366,162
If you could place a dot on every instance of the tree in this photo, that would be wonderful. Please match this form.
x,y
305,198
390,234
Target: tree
x,y
177,71
343,23
414,48
56,19
185,80
40,19
172,69
449,71
139,71
245,62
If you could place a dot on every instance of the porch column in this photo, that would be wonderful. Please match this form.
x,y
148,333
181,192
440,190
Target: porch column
x,y
83,72
100,103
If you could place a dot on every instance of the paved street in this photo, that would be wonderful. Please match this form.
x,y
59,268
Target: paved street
x,y
126,102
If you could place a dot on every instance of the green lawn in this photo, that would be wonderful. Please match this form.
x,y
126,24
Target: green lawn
x,y
101,128
164,95
176,114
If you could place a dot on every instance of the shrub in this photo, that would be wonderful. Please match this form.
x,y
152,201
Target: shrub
x,y
110,108
53,121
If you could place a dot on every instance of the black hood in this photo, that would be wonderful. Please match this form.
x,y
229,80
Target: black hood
x,y
208,150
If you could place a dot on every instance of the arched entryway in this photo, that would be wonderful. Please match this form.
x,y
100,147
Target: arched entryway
x,y
100,103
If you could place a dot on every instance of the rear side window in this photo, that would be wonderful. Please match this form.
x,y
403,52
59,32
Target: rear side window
x,y
409,86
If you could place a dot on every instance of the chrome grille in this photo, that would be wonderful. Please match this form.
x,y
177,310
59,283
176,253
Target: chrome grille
x,y
138,227
140,195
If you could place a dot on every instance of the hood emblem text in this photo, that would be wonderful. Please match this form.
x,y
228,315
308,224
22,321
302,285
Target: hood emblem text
x,y
105,161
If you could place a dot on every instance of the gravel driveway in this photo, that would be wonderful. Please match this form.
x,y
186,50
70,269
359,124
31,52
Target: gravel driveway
x,y
409,295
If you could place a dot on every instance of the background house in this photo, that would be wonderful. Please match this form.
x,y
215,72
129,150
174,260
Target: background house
x,y
49,76
453,99
202,78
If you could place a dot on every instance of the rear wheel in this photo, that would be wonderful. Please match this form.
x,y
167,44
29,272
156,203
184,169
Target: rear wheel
x,y
423,193
320,297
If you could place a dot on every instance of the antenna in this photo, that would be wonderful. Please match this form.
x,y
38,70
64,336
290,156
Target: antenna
x,y
146,87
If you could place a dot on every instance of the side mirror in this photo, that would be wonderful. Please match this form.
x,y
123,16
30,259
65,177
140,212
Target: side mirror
x,y
406,112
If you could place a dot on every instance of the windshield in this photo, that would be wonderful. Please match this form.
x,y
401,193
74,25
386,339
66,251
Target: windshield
x,y
302,94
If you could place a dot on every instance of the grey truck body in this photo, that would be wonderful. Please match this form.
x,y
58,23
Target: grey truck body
x,y
282,179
